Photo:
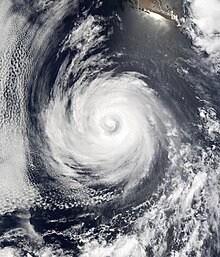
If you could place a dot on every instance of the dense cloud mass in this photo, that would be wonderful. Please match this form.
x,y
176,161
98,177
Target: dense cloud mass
x,y
205,28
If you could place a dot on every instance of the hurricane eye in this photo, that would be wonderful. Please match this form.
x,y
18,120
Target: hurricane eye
x,y
110,125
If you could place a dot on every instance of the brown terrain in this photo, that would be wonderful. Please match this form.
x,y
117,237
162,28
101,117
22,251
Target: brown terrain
x,y
153,6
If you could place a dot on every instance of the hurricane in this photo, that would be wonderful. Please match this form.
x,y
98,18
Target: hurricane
x,y
109,122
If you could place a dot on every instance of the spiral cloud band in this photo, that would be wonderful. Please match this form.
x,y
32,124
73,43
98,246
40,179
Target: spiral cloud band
x,y
114,126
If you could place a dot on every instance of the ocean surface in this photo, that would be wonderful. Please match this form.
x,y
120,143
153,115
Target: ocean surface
x,y
109,129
